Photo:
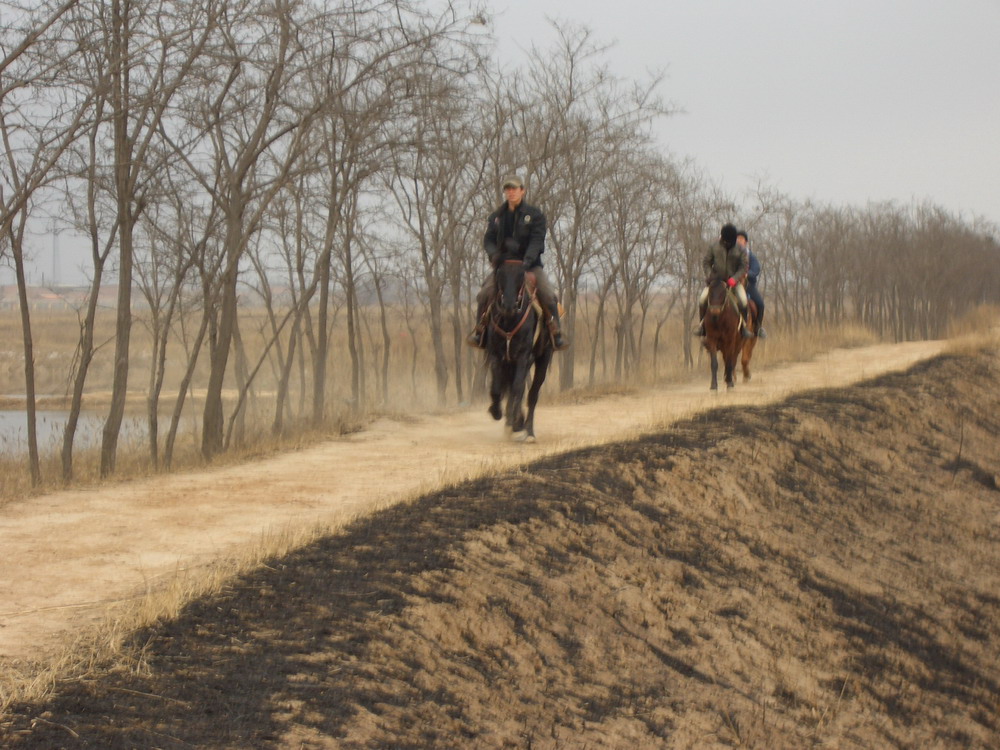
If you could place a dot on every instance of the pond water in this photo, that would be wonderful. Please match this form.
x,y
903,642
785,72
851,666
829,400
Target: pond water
x,y
50,425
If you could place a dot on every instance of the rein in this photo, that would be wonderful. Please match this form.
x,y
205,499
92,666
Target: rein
x,y
730,300
509,335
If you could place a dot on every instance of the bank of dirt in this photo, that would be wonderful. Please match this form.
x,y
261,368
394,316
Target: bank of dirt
x,y
72,559
821,571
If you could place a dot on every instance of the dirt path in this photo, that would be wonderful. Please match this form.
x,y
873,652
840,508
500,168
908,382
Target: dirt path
x,y
67,556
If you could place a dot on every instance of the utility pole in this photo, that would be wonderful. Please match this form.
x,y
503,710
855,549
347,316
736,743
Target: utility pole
x,y
55,253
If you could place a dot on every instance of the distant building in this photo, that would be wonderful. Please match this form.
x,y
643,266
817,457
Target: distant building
x,y
63,298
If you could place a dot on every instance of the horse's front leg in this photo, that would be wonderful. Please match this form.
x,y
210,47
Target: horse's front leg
x,y
745,358
496,390
541,368
730,363
515,414
714,359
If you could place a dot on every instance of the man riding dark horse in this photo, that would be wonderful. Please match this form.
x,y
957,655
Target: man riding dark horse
x,y
725,261
515,351
517,230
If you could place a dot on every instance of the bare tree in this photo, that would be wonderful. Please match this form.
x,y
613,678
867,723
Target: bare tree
x,y
566,136
380,51
150,51
254,137
436,178
174,248
636,243
36,132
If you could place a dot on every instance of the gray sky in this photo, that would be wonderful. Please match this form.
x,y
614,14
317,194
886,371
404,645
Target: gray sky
x,y
843,102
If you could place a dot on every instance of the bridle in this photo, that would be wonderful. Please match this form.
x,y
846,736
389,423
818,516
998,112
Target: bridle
x,y
730,299
525,297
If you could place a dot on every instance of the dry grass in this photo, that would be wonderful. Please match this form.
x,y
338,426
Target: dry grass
x,y
134,462
101,648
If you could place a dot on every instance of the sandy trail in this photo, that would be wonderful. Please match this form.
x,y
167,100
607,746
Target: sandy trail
x,y
68,556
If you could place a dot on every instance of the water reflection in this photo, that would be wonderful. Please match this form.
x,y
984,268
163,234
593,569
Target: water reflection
x,y
50,426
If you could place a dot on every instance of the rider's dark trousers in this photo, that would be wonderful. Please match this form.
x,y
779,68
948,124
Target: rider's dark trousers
x,y
754,293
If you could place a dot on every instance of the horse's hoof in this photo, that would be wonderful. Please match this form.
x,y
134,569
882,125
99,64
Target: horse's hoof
x,y
495,412
529,438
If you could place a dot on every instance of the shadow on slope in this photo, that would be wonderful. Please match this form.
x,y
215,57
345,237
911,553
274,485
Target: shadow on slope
x,y
819,572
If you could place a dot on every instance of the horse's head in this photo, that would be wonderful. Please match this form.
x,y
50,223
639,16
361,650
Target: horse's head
x,y
718,295
511,293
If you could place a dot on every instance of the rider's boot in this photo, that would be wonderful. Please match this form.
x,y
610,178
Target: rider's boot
x,y
700,330
558,342
477,338
744,326
761,333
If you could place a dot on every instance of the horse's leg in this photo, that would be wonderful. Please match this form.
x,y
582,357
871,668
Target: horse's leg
x,y
496,390
541,368
714,359
730,357
745,358
515,396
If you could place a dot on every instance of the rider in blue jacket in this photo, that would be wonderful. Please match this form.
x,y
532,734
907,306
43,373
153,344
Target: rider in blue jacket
x,y
753,271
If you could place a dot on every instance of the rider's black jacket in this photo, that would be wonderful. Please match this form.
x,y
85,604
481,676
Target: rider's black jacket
x,y
521,235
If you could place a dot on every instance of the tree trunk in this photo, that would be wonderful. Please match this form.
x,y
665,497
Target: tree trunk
x,y
17,249
212,420
126,224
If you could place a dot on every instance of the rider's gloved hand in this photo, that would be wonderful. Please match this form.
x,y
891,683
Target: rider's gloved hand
x,y
731,282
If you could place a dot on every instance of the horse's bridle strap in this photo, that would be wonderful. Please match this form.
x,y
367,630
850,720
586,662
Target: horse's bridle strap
x,y
509,335
730,299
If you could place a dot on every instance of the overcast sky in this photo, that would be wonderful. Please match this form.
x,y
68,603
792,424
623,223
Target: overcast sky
x,y
843,102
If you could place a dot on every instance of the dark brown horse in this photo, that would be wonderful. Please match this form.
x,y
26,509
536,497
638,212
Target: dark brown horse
x,y
723,336
516,343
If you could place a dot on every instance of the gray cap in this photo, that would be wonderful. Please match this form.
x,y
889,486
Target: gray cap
x,y
512,181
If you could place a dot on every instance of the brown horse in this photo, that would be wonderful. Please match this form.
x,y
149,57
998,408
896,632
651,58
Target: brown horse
x,y
723,336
